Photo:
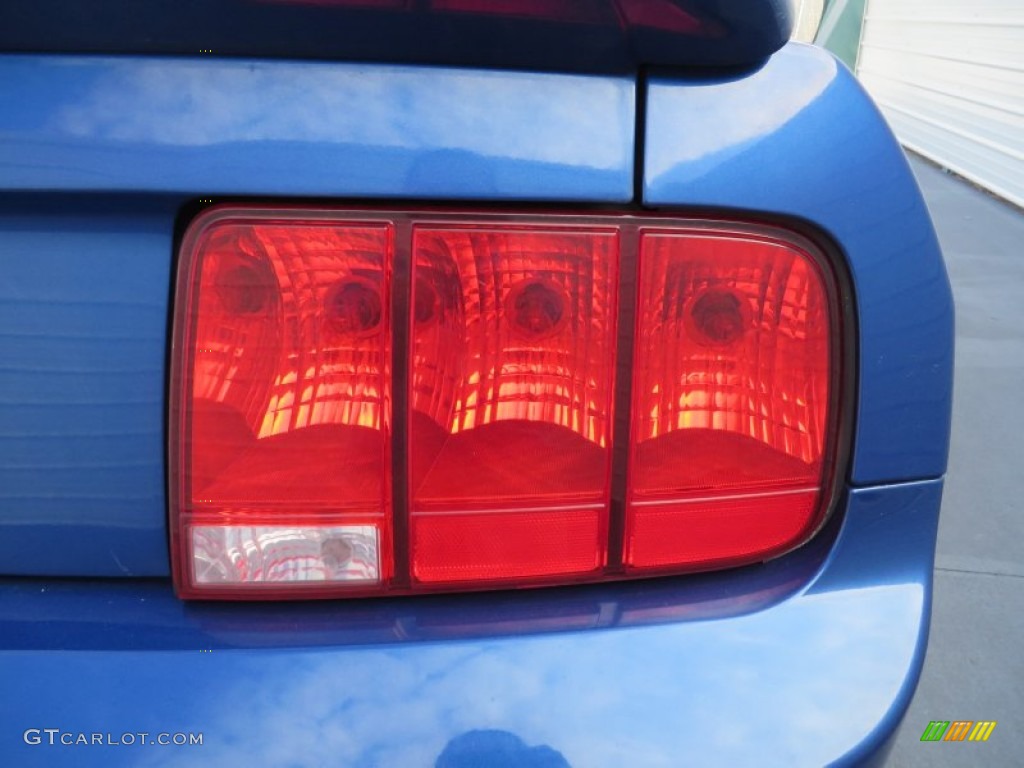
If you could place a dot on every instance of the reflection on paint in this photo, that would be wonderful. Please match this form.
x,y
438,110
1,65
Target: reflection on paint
x,y
186,104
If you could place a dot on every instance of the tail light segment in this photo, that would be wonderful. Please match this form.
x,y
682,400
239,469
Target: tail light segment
x,y
511,400
731,399
368,402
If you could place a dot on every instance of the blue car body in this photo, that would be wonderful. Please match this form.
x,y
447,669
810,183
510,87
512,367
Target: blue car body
x,y
809,659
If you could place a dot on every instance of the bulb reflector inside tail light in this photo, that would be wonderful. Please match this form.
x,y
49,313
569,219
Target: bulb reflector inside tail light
x,y
495,433
731,390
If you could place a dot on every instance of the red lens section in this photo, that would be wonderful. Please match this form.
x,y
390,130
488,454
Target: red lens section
x,y
284,400
730,399
284,392
512,362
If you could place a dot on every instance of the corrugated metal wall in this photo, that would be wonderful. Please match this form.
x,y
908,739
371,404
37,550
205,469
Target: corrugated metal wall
x,y
949,75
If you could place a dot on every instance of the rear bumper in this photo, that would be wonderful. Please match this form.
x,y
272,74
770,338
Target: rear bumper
x,y
809,660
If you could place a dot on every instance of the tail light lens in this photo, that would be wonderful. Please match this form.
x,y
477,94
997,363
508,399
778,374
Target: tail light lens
x,y
321,448
513,354
731,393
284,471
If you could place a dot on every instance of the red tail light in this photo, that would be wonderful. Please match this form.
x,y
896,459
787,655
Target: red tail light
x,y
284,475
498,382
730,399
512,376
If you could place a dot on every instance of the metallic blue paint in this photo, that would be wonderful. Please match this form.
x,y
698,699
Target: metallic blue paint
x,y
207,128
83,341
823,673
799,138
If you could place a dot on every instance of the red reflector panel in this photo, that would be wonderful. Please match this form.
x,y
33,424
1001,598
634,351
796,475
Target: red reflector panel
x,y
282,472
512,356
485,546
730,400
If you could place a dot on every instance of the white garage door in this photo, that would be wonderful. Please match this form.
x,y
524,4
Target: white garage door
x,y
949,75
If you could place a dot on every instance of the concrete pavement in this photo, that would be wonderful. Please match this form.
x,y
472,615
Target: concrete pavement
x,y
975,664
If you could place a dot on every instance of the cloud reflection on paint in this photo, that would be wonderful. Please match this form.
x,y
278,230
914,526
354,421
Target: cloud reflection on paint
x,y
594,696
198,104
724,117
